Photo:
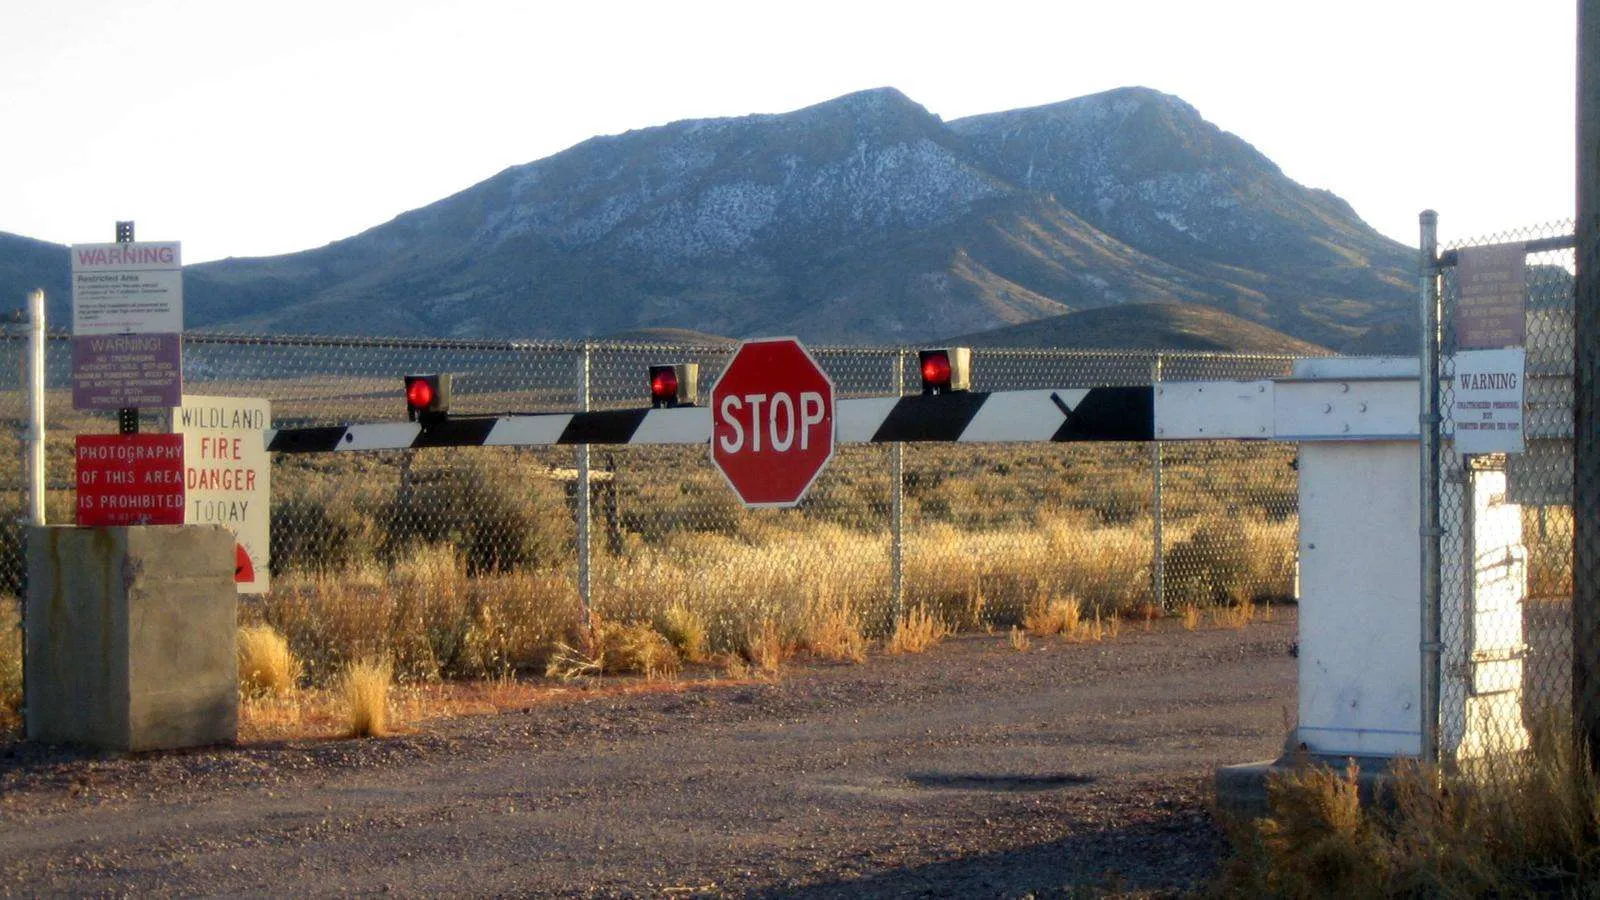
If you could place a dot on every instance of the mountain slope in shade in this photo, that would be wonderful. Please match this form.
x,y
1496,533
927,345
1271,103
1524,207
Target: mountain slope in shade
x,y
1144,326
864,219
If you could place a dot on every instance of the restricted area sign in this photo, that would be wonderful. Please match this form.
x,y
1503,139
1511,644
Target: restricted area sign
x,y
772,422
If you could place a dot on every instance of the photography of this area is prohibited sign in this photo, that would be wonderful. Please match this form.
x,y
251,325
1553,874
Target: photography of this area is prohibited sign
x,y
1487,405
228,477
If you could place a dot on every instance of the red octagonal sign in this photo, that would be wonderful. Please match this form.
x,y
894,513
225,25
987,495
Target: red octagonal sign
x,y
772,422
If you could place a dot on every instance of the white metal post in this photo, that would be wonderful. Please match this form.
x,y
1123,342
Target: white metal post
x,y
35,462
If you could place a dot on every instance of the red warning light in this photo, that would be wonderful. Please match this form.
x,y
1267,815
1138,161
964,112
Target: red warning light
x,y
419,394
936,369
664,386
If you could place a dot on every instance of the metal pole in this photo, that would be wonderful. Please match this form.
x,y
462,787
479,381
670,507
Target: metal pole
x,y
1158,564
582,499
36,457
128,416
897,498
1586,369
1428,433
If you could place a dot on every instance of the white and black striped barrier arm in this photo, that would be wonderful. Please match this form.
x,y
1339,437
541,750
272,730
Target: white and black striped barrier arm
x,y
1087,414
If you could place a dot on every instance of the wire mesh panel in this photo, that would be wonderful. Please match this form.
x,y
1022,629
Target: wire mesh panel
x,y
1505,570
456,562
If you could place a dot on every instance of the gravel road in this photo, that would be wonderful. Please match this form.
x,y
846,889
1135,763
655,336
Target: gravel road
x,y
971,770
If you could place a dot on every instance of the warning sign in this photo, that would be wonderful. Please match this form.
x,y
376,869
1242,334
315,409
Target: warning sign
x,y
227,476
129,479
1487,407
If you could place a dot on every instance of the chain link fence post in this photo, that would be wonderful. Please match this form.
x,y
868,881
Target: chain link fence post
x,y
1428,439
1158,593
1586,374
581,487
897,502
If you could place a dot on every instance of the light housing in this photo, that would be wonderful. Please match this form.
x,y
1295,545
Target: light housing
x,y
427,398
945,370
674,385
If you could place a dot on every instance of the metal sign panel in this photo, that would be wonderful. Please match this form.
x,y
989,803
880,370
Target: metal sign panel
x,y
1487,401
1491,310
122,371
772,426
133,288
129,479
228,477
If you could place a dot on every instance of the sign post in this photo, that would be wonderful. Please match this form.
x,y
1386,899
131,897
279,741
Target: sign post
x,y
772,415
228,477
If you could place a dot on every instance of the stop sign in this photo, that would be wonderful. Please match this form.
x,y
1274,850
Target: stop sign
x,y
771,422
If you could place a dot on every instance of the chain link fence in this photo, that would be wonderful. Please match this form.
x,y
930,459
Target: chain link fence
x,y
463,562
1505,519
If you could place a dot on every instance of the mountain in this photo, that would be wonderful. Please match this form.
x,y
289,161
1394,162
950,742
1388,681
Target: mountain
x,y
864,219
1144,326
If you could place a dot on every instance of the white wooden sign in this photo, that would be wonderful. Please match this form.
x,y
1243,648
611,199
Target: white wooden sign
x,y
228,476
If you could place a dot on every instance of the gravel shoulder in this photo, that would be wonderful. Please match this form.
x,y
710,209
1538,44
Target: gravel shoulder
x,y
971,770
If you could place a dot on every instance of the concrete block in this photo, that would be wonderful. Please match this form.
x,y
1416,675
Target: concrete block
x,y
1241,790
131,637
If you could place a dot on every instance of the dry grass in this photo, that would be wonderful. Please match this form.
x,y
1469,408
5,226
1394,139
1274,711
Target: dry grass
x,y
766,648
1191,617
1052,614
1522,826
1234,615
364,688
917,631
832,630
615,648
266,665
10,663
1019,640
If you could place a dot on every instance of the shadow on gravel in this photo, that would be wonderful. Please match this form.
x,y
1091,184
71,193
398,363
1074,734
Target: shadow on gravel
x,y
1000,783
1172,857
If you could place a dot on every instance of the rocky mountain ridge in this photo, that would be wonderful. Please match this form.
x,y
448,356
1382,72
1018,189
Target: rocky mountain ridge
x,y
865,219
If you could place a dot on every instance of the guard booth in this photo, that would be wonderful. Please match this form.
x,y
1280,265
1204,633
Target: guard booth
x,y
1366,673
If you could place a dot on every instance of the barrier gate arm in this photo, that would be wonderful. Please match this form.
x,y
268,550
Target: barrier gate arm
x,y
1352,409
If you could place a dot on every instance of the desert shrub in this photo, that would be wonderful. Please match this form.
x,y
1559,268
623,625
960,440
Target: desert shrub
x,y
496,521
916,631
1229,559
314,534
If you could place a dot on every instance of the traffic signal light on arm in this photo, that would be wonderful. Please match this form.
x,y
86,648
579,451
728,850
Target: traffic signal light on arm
x,y
946,370
674,385
427,398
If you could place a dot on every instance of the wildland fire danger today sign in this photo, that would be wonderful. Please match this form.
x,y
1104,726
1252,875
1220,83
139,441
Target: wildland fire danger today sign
x,y
227,476
772,418
127,325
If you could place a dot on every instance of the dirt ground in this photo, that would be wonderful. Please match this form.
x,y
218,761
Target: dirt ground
x,y
971,770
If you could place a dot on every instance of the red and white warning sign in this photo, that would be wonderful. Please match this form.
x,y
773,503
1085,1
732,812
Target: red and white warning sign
x,y
228,476
129,479
772,418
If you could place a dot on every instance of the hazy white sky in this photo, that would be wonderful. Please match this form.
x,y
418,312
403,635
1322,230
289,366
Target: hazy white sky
x,y
250,129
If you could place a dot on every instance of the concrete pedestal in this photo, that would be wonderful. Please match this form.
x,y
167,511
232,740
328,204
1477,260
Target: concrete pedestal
x,y
131,637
